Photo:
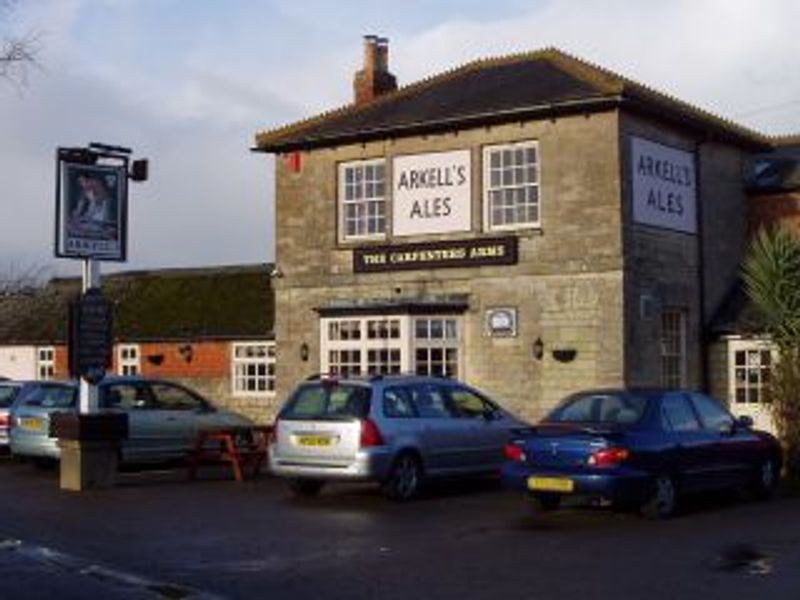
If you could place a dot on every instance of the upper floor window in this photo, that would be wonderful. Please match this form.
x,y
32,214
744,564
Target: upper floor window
x,y
511,186
362,199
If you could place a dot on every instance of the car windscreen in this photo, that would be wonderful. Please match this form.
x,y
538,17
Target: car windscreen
x,y
7,395
328,401
51,396
606,408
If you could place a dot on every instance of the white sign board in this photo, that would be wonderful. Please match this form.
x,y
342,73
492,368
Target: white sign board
x,y
664,186
432,193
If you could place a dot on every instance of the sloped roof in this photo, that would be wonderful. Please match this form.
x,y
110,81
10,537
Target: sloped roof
x,y
508,88
160,305
737,315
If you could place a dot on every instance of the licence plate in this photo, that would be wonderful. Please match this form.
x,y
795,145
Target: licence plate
x,y
550,484
30,423
313,440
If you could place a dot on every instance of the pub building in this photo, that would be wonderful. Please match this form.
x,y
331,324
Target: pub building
x,y
531,224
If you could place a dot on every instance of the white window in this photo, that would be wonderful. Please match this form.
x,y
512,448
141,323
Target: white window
x,y
128,359
46,362
511,186
390,345
751,365
253,365
436,346
673,348
362,199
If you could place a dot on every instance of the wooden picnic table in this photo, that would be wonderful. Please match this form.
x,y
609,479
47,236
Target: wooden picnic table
x,y
240,446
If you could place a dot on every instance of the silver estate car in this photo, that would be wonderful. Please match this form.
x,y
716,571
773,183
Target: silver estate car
x,y
395,430
163,418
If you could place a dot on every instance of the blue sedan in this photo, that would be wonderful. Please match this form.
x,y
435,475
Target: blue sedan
x,y
640,449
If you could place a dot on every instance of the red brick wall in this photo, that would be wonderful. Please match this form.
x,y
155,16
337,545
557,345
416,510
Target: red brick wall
x,y
774,208
199,359
61,366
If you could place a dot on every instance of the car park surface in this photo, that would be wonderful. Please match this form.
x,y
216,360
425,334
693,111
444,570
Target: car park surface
x,y
214,538
395,430
640,448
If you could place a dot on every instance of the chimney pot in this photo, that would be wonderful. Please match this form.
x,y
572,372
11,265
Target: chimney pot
x,y
374,79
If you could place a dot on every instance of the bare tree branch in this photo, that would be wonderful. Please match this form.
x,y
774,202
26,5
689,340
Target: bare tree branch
x,y
18,52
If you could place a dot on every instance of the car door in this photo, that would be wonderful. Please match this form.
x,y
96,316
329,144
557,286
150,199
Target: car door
x,y
440,432
733,445
176,416
135,399
691,450
483,432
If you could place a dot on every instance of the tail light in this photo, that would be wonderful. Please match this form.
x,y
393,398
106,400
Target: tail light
x,y
513,452
4,421
608,457
370,434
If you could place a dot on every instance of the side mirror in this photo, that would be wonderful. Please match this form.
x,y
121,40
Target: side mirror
x,y
744,422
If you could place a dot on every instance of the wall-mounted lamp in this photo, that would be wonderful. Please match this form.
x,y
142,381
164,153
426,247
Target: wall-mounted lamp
x,y
304,352
187,352
538,349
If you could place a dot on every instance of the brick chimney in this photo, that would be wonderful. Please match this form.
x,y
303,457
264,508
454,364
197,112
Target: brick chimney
x,y
374,79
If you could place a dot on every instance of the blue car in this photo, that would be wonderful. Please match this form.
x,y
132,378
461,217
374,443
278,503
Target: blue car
x,y
642,449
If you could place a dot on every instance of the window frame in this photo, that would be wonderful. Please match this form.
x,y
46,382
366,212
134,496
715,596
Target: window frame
x,y
748,346
269,360
486,211
341,181
124,363
405,342
45,359
682,355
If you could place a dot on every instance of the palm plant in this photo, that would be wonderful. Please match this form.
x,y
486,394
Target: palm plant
x,y
771,274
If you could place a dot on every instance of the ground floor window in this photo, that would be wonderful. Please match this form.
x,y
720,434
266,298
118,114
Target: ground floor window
x,y
128,359
253,366
750,364
673,348
45,362
427,345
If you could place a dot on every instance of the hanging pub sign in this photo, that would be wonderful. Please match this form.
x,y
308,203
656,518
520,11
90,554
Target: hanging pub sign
x,y
91,210
664,186
431,193
435,255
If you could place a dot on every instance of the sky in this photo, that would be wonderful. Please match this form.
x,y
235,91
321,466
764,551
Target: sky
x,y
188,83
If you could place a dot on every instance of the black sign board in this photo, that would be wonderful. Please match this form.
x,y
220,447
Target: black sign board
x,y
90,336
434,255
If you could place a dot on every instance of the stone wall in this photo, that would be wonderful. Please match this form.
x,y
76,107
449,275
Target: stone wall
x,y
567,286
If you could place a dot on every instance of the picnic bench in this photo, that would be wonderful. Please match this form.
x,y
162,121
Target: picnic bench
x,y
243,447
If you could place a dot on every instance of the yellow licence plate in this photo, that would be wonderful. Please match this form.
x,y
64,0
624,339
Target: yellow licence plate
x,y
550,484
30,423
313,440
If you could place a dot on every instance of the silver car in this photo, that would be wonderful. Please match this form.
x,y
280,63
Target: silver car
x,y
163,418
395,430
10,391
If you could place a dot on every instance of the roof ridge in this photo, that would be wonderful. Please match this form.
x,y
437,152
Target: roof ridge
x,y
592,74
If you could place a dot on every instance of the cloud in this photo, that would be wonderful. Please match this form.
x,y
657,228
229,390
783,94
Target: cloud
x,y
188,84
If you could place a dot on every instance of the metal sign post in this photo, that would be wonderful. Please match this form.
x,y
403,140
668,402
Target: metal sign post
x,y
88,391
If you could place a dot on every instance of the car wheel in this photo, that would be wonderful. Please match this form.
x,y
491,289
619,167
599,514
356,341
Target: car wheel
x,y
305,487
766,480
404,478
545,502
663,498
